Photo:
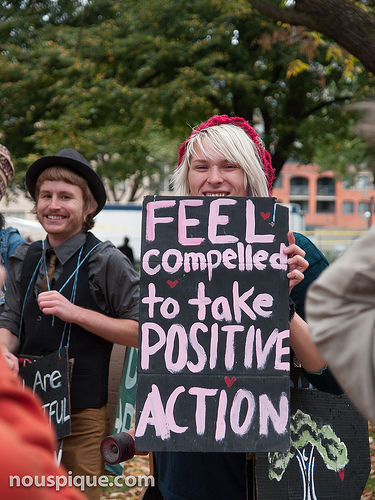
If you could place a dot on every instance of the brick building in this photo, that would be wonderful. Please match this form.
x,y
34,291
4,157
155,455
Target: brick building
x,y
325,201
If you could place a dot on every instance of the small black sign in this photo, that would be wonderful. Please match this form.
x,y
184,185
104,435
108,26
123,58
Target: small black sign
x,y
48,377
329,456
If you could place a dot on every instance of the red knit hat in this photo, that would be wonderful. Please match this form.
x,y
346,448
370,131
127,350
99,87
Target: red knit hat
x,y
254,136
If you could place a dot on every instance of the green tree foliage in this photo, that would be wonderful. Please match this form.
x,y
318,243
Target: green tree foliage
x,y
59,88
210,57
124,82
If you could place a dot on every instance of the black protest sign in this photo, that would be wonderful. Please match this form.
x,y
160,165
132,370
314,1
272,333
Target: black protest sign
x,y
329,454
213,368
49,378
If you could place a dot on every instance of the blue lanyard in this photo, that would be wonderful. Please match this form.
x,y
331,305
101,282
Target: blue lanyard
x,y
72,300
73,294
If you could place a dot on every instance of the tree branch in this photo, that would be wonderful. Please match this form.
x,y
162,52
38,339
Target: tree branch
x,y
323,104
341,20
284,14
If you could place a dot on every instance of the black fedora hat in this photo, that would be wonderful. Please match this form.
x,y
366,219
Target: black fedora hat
x,y
69,158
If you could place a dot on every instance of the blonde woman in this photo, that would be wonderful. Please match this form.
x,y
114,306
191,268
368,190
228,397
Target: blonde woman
x,y
226,157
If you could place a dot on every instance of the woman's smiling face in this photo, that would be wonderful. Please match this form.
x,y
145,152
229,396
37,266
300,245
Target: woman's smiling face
x,y
214,175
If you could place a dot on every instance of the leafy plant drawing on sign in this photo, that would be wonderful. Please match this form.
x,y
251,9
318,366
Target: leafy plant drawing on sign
x,y
306,434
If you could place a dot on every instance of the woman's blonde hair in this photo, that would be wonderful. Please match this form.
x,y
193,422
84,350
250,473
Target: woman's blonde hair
x,y
64,174
237,147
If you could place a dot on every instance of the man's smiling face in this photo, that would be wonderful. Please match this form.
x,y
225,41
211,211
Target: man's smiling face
x,y
60,210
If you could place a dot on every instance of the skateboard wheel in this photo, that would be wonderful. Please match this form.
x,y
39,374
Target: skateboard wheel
x,y
117,448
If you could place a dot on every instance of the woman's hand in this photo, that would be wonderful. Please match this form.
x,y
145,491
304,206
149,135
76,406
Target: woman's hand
x,y
296,261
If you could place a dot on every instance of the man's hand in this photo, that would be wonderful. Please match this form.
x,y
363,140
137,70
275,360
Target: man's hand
x,y
118,330
3,275
55,304
11,359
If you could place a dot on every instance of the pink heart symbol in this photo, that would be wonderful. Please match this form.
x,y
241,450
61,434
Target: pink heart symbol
x,y
172,284
265,215
342,474
230,381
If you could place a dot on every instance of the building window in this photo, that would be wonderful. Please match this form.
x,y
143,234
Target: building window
x,y
326,186
364,182
325,207
299,186
303,204
348,207
363,206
